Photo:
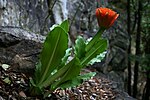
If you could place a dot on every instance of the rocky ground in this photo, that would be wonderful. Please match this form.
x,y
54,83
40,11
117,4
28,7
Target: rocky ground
x,y
15,85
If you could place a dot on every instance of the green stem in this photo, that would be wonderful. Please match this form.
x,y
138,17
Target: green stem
x,y
94,42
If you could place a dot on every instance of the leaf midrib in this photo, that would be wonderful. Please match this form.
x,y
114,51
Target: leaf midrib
x,y
91,54
47,67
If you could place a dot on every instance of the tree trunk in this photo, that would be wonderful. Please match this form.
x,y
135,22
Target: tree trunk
x,y
146,92
129,50
138,37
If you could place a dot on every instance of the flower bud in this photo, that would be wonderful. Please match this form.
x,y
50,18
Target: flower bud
x,y
106,17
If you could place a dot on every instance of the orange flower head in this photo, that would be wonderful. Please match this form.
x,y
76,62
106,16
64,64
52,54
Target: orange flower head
x,y
106,17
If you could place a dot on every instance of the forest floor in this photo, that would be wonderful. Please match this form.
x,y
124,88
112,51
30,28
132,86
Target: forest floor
x,y
15,86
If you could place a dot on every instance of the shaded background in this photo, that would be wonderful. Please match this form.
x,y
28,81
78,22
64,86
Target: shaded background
x,y
128,51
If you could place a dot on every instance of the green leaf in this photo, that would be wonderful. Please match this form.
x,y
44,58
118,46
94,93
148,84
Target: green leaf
x,y
94,40
65,58
77,80
80,47
71,83
65,26
60,73
97,48
98,58
72,72
53,51
87,76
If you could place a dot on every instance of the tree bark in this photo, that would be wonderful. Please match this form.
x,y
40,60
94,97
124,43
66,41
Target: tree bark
x,y
138,37
129,50
146,92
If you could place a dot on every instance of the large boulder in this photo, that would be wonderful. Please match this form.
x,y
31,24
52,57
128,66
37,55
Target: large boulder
x,y
19,48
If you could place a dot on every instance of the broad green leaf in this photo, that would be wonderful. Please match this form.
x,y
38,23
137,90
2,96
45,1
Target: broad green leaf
x,y
52,27
94,40
65,58
65,26
80,47
72,72
98,48
60,73
87,76
77,80
71,83
53,51
98,58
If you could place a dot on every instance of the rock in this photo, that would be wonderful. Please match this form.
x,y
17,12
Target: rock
x,y
123,96
1,98
116,83
29,14
117,53
19,48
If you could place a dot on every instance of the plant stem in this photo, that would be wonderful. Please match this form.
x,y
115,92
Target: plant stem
x,y
91,44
